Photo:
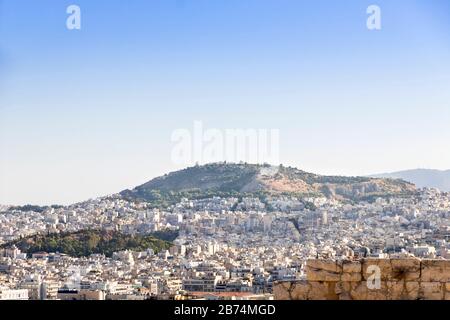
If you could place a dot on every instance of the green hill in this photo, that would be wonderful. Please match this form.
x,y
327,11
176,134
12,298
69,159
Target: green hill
x,y
228,179
87,242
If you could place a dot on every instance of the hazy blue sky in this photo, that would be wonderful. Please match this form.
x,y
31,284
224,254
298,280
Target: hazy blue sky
x,y
90,112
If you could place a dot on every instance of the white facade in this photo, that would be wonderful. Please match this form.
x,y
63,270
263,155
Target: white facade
x,y
11,294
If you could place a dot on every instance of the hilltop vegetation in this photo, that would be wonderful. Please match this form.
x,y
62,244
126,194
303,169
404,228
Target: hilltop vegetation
x,y
87,242
238,180
34,208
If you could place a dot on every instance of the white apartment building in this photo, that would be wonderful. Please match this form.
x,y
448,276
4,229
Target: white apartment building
x,y
12,294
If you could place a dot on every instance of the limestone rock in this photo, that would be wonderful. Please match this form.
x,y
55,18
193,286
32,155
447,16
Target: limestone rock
x,y
281,291
431,291
319,291
435,270
351,271
405,269
399,279
323,270
343,289
300,290
321,275
352,277
296,290
326,265
384,266
402,290
351,267
378,294
360,291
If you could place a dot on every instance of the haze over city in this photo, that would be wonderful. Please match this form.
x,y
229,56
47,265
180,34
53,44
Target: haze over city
x,y
90,112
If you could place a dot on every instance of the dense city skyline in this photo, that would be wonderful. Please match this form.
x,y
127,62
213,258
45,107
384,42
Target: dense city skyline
x,y
214,157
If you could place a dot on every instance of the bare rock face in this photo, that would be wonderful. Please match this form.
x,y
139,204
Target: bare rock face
x,y
351,271
304,290
431,291
435,270
322,291
351,266
348,290
351,277
323,270
402,290
282,291
394,269
363,292
447,291
300,291
384,266
370,279
325,265
406,269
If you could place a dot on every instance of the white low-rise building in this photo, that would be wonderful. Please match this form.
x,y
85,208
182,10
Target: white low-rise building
x,y
13,294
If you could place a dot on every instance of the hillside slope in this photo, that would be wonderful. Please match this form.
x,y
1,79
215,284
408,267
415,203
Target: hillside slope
x,y
241,179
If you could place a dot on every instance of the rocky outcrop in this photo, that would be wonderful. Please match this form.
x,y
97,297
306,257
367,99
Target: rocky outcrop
x,y
223,179
370,279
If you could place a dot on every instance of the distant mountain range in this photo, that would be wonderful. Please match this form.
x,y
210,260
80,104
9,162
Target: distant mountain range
x,y
422,178
229,179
